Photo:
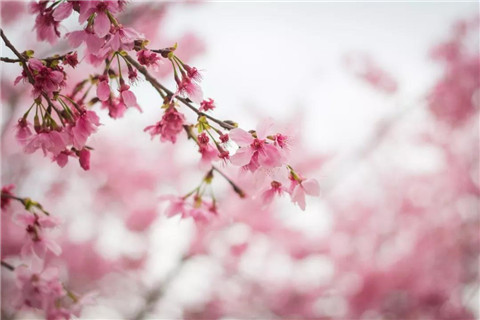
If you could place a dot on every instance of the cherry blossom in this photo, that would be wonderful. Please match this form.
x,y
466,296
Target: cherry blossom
x,y
169,127
255,151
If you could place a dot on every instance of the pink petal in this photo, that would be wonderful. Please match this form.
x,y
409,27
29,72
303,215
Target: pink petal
x,y
311,187
298,196
93,43
103,91
264,128
54,247
76,38
61,159
101,25
35,64
270,156
241,137
242,157
129,98
84,158
63,11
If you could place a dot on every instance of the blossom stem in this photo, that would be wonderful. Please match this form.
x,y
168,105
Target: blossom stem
x,y
24,65
158,86
235,187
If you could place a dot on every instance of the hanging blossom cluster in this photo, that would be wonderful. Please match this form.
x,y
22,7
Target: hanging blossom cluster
x,y
63,116
64,121
39,284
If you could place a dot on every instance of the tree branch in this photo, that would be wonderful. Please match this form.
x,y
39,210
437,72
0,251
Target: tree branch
x,y
159,87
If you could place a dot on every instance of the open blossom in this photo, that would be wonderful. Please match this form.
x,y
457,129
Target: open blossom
x,y
46,79
38,242
115,107
101,22
45,23
76,38
38,288
189,88
255,151
71,59
206,105
23,130
85,124
169,127
201,211
148,58
276,188
300,187
193,73
120,38
52,142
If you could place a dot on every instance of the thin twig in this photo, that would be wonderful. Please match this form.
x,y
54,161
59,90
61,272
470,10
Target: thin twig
x,y
159,87
29,74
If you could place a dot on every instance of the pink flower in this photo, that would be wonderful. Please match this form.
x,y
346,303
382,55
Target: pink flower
x,y
148,58
115,107
169,127
71,59
101,22
299,188
23,130
76,38
52,142
189,88
84,126
62,158
193,73
121,38
208,152
38,289
46,79
132,74
38,243
45,24
177,205
224,138
206,105
84,158
255,152
275,189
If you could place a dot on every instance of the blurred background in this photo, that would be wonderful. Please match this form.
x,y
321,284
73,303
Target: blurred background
x,y
382,100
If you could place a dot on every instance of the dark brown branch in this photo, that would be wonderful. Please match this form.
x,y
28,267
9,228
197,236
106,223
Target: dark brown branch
x,y
159,87
9,60
8,266
25,68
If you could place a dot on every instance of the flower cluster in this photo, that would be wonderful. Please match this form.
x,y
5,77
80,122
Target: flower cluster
x,y
39,285
170,126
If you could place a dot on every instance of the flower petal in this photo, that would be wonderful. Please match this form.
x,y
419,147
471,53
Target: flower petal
x,y
242,157
311,187
101,25
241,137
